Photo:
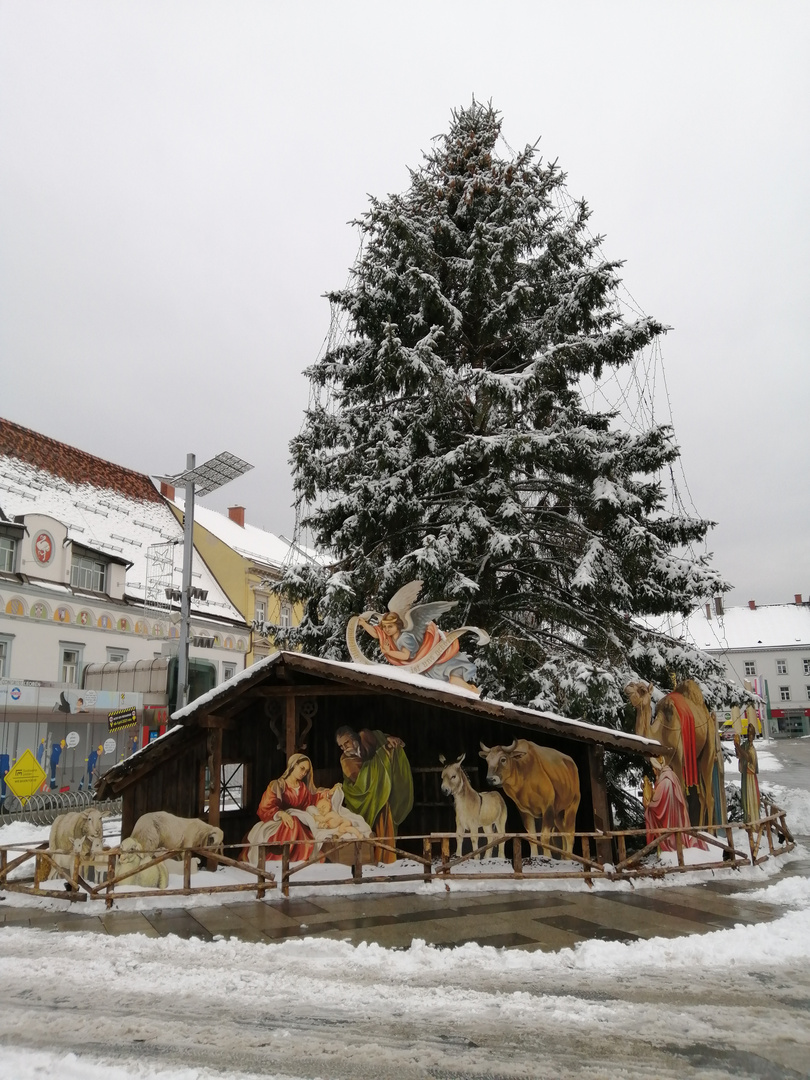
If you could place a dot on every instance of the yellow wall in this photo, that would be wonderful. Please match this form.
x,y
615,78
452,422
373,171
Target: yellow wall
x,y
239,577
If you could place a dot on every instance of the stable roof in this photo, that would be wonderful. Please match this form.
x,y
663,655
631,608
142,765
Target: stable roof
x,y
299,673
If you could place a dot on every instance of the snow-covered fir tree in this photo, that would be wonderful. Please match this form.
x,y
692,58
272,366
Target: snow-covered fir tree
x,y
448,440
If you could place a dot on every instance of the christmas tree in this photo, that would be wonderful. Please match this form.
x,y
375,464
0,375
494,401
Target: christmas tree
x,y
448,440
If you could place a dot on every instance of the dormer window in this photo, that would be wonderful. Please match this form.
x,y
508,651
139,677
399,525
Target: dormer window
x,y
87,573
8,554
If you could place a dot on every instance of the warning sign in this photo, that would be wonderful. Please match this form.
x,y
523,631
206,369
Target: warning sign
x,y
121,718
25,776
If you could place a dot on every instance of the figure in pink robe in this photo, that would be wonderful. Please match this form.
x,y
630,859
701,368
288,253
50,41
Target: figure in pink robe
x,y
666,809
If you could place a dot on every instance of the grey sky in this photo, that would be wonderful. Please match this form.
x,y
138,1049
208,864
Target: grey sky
x,y
176,178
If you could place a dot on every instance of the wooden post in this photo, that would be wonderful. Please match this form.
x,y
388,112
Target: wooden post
x,y
38,864
517,856
679,847
357,863
110,875
187,870
285,869
215,793
427,851
445,855
262,864
601,805
289,726
622,843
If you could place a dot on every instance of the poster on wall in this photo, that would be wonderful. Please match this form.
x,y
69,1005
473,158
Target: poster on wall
x,y
67,730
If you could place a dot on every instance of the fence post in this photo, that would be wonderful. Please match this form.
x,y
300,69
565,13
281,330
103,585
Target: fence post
x,y
187,870
427,851
262,865
517,856
679,847
445,854
110,875
357,863
285,869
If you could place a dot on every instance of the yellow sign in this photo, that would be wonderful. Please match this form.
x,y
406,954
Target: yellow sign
x,y
25,776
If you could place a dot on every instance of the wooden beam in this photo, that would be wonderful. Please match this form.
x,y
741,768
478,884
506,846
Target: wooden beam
x,y
215,744
599,798
290,732
213,720
317,690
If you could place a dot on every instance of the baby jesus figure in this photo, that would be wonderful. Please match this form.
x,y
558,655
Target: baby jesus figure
x,y
328,818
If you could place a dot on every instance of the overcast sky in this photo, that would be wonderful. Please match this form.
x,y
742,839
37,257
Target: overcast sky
x,y
176,181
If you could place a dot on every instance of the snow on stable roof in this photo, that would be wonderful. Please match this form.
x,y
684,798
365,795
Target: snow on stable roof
x,y
248,540
108,508
388,679
770,627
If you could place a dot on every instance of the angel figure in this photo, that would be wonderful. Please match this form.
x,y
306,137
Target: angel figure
x,y
409,638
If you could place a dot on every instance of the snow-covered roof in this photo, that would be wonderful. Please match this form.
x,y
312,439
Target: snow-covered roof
x,y
106,507
253,543
769,627
390,679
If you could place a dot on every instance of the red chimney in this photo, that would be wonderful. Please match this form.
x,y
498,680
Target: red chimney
x,y
752,604
718,605
237,514
709,612
167,490
797,597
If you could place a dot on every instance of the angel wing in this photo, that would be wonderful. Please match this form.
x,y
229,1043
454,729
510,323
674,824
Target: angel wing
x,y
420,616
403,600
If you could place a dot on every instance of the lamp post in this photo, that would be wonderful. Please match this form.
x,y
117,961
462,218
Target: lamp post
x,y
200,480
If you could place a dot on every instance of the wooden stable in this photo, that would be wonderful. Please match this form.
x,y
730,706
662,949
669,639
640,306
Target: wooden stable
x,y
227,746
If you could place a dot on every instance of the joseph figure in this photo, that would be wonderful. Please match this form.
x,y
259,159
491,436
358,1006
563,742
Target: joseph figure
x,y
377,781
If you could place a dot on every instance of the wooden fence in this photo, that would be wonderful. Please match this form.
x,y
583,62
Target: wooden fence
x,y
611,856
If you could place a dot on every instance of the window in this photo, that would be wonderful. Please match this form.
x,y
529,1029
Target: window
x,y
784,693
750,667
8,554
228,671
781,667
233,794
806,666
70,661
261,611
807,688
285,615
87,573
5,655
117,656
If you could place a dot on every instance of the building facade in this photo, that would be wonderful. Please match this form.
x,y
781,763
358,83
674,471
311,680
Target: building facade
x,y
246,561
765,649
88,550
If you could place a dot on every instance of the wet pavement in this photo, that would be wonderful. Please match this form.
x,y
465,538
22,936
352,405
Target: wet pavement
x,y
538,920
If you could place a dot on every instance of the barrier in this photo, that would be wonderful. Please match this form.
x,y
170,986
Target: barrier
x,y
44,807
602,855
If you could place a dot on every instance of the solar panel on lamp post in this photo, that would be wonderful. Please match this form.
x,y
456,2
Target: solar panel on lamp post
x,y
198,480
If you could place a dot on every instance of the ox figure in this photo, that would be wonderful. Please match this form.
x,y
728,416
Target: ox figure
x,y
543,784
474,811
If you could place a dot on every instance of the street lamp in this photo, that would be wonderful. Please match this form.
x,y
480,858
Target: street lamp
x,y
202,480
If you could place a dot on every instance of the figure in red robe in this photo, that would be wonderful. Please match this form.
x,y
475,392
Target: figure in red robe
x,y
294,790
665,808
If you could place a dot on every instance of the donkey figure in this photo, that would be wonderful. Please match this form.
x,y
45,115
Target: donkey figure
x,y
474,810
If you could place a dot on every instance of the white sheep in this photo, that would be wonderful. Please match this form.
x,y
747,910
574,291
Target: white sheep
x,y
161,831
132,856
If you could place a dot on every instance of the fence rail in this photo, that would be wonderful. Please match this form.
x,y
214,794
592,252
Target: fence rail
x,y
611,856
